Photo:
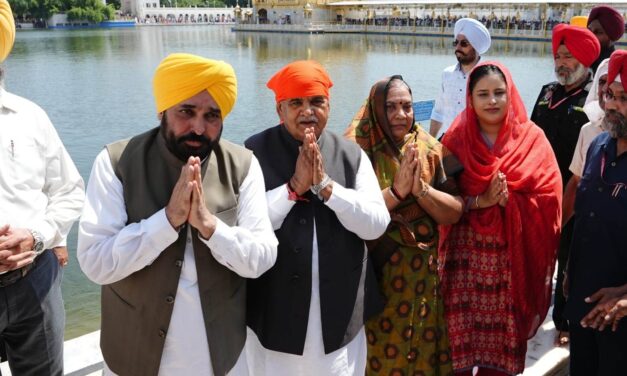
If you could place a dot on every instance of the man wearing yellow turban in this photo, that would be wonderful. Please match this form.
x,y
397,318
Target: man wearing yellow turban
x,y
324,201
175,219
7,30
41,195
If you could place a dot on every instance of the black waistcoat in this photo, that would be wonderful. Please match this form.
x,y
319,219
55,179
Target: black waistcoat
x,y
561,122
278,301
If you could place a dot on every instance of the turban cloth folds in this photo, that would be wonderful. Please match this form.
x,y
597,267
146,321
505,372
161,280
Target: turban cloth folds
x,y
611,21
181,76
580,42
617,70
7,29
302,78
592,108
475,32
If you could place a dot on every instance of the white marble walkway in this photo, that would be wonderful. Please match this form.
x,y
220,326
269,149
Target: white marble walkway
x,y
83,357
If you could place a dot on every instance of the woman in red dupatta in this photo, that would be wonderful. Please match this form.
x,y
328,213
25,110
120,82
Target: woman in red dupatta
x,y
498,261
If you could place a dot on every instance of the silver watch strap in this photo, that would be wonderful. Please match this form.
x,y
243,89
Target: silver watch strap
x,y
316,188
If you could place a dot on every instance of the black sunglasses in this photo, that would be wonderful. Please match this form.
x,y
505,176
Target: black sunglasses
x,y
464,43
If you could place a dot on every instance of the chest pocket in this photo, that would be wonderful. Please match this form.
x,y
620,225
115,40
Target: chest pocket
x,y
25,162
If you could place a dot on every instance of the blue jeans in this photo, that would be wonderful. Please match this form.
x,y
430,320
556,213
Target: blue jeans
x,y
32,319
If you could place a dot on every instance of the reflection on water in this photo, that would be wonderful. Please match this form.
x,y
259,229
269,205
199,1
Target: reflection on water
x,y
270,46
96,87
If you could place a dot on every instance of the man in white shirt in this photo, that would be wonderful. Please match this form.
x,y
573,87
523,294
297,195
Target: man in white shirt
x,y
306,314
175,220
472,40
41,194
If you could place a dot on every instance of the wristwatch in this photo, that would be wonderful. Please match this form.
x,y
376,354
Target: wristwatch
x,y
38,242
317,188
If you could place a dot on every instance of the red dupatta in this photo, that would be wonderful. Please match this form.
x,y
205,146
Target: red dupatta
x,y
531,221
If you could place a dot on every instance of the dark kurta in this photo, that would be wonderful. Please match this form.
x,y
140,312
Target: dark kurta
x,y
599,251
598,258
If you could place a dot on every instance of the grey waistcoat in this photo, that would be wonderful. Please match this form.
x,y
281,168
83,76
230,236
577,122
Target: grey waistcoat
x,y
136,310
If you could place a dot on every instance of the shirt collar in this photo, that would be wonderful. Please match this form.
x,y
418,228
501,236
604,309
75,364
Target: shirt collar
x,y
7,100
459,66
608,145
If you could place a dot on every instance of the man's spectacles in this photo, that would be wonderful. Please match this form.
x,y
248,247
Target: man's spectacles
x,y
464,43
609,96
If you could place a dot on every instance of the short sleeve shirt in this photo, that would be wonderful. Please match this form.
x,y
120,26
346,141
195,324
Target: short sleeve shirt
x,y
452,97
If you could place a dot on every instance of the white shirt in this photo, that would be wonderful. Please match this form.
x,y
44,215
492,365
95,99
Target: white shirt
x,y
109,250
587,133
40,187
452,97
360,210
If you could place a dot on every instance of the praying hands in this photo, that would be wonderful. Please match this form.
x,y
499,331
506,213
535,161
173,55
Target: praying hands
x,y
187,204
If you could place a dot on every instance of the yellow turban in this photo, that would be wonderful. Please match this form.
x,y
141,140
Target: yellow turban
x,y
581,21
181,76
7,30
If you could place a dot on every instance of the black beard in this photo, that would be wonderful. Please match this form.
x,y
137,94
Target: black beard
x,y
466,59
615,123
183,151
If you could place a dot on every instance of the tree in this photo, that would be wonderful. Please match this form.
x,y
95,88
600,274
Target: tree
x,y
88,10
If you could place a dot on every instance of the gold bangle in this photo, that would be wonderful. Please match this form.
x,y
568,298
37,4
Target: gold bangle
x,y
477,202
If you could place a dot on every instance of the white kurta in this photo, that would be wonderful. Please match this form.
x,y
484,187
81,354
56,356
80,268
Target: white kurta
x,y
360,210
109,250
587,133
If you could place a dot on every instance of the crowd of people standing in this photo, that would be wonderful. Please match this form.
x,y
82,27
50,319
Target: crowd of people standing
x,y
390,250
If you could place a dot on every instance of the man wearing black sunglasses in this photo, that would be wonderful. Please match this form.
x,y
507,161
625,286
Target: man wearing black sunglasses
x,y
472,39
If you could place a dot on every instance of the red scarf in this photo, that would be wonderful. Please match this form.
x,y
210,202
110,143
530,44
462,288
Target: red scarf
x,y
531,221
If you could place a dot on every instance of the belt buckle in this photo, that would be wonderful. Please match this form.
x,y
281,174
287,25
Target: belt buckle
x,y
13,276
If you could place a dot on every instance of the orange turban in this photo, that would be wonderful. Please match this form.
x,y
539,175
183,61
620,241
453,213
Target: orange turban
x,y
581,43
181,76
618,68
7,29
303,78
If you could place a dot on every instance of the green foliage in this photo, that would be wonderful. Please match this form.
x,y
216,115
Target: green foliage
x,y
38,9
76,10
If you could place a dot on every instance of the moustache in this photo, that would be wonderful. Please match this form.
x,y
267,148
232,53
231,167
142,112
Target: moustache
x,y
563,70
308,119
194,137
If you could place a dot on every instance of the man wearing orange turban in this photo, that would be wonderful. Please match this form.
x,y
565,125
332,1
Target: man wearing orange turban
x,y
324,201
559,112
175,220
41,195
608,25
597,267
